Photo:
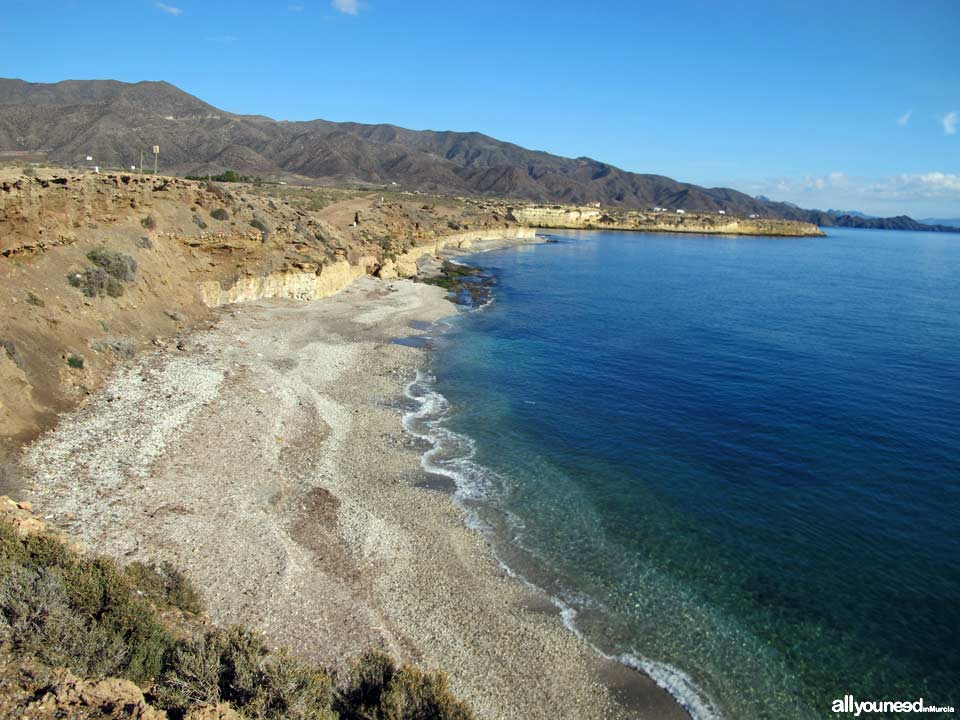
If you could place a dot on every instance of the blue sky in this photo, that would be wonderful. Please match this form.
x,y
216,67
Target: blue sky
x,y
842,104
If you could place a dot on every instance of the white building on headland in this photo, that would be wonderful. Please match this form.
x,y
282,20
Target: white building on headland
x,y
681,212
721,212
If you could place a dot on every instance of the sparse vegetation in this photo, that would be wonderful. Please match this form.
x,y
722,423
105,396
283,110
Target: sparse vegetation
x,y
259,225
164,586
235,666
144,243
76,611
378,688
199,221
10,348
75,361
149,222
112,269
35,300
122,267
123,348
95,282
220,214
230,176
96,618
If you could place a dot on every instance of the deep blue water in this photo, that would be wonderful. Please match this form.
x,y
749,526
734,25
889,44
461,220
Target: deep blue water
x,y
736,458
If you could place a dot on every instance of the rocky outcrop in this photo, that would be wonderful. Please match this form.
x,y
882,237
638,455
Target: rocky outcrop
x,y
292,284
702,223
405,265
315,282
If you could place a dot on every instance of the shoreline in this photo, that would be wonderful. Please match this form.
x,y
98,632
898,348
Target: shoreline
x,y
267,461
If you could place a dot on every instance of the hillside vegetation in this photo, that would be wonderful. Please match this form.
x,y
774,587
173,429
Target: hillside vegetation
x,y
75,626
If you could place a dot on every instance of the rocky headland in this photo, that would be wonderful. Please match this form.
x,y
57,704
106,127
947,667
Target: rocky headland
x,y
591,218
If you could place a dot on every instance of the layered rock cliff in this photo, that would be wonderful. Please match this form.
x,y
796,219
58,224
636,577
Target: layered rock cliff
x,y
589,218
96,268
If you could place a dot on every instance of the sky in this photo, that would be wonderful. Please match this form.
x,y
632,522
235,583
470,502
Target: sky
x,y
846,104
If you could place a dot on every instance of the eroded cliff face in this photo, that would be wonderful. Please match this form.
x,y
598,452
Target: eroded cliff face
x,y
97,268
662,221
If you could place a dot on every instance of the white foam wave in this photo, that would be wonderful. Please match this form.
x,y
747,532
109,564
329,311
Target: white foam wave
x,y
451,454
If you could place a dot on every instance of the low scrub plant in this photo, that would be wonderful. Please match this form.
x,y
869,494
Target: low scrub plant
x,y
234,666
122,267
111,269
94,282
377,688
75,611
96,618
164,586
220,214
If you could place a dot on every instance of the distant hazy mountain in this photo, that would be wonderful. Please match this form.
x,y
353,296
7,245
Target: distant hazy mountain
x,y
950,222
113,121
851,213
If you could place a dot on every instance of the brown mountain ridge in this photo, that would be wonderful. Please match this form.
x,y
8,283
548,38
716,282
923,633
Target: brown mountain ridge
x,y
113,121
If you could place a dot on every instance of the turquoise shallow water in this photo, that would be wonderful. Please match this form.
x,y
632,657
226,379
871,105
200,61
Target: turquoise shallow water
x,y
733,461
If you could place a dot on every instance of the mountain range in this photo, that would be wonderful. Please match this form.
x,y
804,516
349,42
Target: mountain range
x,y
112,121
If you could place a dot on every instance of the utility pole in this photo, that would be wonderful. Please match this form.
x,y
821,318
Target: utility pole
x,y
156,156
141,161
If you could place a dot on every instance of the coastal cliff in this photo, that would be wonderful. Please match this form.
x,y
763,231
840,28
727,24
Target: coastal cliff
x,y
589,218
97,268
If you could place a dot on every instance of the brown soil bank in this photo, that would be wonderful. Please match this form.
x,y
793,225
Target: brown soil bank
x,y
94,269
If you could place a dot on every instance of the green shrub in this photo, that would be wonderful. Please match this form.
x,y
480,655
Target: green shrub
x,y
191,674
75,361
199,222
235,666
164,586
378,688
415,695
122,267
368,678
289,689
144,243
95,282
35,300
220,214
259,225
149,222
10,348
89,615
75,611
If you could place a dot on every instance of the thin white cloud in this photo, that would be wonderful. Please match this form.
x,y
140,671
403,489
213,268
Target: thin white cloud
x,y
905,118
295,7
348,7
950,123
917,186
917,194
169,9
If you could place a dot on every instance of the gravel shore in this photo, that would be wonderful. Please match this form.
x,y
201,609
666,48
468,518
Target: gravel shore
x,y
265,457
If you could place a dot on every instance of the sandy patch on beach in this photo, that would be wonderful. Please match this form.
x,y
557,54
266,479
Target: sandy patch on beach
x,y
267,460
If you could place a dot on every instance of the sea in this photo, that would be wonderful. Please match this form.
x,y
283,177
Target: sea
x,y
731,462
